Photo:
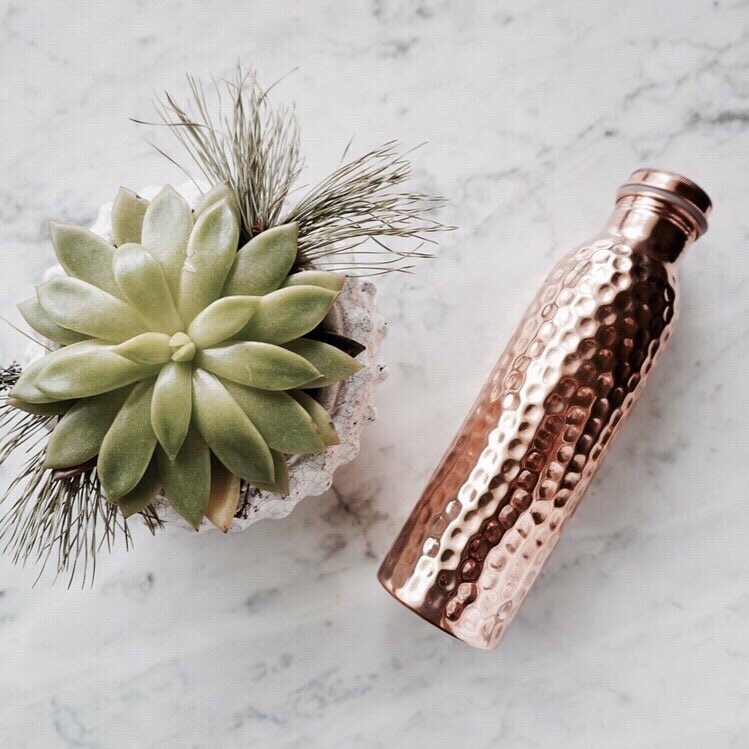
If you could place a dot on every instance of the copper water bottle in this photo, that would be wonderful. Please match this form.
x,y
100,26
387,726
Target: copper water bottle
x,y
497,503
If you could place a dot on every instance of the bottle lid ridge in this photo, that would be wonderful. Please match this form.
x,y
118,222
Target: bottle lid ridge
x,y
673,187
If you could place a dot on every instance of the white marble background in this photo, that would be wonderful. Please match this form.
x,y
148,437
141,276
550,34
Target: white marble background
x,y
636,635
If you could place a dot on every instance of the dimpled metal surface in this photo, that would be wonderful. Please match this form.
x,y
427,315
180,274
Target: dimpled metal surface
x,y
497,503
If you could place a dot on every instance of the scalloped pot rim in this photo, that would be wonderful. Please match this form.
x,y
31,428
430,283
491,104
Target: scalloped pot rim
x,y
355,315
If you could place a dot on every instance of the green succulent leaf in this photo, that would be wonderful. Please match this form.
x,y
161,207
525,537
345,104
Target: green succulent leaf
x,y
146,348
25,389
41,409
79,434
179,339
167,224
259,365
280,483
171,406
325,279
142,282
187,479
281,470
79,306
330,361
128,446
319,416
36,316
228,431
128,211
215,195
144,493
282,422
287,314
222,319
264,262
185,354
84,255
210,253
85,369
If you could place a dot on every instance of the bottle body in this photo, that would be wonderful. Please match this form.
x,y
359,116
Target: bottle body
x,y
497,503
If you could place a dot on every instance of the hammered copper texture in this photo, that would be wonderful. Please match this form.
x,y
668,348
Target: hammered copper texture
x,y
496,505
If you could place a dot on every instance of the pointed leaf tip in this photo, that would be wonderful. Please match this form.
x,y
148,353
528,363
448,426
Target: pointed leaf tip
x,y
289,313
217,193
171,406
319,415
84,255
259,365
281,421
80,306
264,262
41,322
280,483
143,494
79,434
211,250
40,409
222,319
26,388
227,430
187,479
146,348
85,369
332,363
167,224
143,283
324,278
128,446
128,211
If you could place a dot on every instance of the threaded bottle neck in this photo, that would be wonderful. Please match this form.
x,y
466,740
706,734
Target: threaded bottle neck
x,y
660,211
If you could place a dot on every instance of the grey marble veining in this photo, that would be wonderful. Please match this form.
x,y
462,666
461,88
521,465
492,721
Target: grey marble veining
x,y
534,112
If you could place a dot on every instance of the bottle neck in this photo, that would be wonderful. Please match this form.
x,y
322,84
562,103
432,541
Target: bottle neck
x,y
655,226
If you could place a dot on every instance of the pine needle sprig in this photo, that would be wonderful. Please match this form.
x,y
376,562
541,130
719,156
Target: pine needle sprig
x,y
46,518
9,377
255,149
359,202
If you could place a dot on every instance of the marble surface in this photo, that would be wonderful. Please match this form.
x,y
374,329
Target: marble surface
x,y
534,112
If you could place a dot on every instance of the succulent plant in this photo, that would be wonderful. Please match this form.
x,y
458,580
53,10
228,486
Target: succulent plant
x,y
182,359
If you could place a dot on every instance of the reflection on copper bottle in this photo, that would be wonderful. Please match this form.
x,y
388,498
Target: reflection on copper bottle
x,y
497,503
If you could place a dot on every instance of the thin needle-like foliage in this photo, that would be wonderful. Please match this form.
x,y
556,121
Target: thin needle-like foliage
x,y
360,219
254,148
64,521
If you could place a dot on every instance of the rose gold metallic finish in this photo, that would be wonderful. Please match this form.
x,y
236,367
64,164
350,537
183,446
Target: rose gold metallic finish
x,y
497,503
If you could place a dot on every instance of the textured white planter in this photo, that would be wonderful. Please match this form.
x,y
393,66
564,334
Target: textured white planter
x,y
351,403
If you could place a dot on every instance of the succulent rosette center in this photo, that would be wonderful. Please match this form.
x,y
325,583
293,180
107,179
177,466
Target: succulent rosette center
x,y
183,362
